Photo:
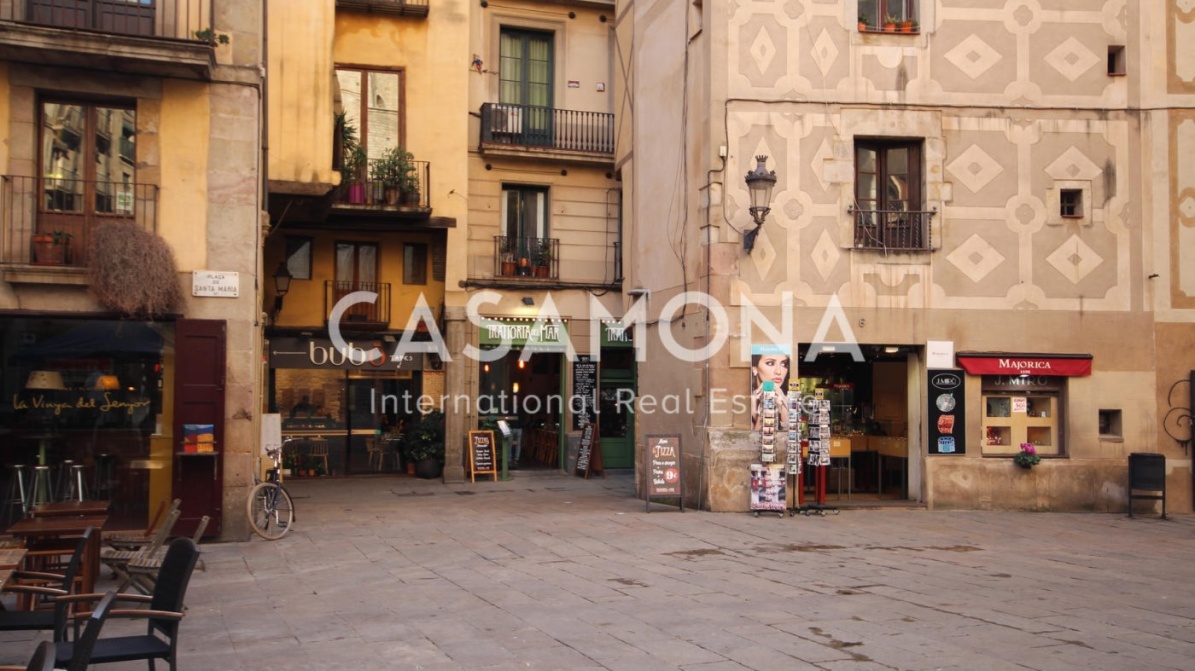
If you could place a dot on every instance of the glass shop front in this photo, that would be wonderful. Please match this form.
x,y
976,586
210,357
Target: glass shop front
x,y
344,412
86,414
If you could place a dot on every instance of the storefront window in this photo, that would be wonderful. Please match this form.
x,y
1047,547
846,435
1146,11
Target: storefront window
x,y
1020,410
90,392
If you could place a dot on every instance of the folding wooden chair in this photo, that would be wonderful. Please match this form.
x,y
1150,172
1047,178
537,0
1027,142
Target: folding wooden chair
x,y
118,560
136,541
144,570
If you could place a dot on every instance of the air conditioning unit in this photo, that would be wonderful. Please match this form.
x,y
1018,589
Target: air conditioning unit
x,y
505,119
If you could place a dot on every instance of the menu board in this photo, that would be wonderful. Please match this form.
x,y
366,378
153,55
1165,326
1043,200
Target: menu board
x,y
585,452
481,454
947,391
584,386
663,467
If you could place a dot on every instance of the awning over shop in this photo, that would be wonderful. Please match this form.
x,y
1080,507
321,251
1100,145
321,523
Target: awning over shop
x,y
1015,363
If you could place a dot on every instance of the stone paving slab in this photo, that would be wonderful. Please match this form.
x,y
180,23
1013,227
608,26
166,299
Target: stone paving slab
x,y
563,573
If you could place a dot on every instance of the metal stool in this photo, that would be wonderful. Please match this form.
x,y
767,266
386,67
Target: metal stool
x,y
101,483
16,505
41,490
62,480
74,489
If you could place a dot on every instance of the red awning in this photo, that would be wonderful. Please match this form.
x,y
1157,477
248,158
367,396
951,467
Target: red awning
x,y
1011,363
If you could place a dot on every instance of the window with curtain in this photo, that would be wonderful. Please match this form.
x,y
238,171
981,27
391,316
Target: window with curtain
x,y
414,263
525,219
356,263
525,74
88,159
875,11
888,195
372,101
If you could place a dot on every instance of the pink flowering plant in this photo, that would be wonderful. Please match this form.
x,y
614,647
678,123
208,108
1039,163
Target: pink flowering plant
x,y
1027,457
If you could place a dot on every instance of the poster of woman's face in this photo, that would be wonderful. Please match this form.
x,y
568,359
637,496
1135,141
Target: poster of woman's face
x,y
769,363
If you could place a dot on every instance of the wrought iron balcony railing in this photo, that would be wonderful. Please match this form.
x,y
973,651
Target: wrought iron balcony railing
x,y
363,191
399,7
48,221
359,316
537,258
544,127
174,19
893,230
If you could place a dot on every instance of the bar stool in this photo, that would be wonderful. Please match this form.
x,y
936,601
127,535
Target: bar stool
x,y
41,490
75,488
101,483
16,505
62,480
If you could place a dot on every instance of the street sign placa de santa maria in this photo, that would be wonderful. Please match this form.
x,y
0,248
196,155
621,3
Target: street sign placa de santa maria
x,y
217,283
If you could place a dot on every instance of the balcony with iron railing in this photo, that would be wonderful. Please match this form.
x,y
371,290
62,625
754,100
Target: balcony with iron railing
x,y
526,258
370,194
416,8
359,316
893,230
566,133
48,221
178,36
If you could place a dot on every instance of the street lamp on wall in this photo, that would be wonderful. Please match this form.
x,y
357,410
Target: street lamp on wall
x,y
759,184
282,278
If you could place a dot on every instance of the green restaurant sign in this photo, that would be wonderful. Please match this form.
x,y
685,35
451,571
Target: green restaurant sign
x,y
521,332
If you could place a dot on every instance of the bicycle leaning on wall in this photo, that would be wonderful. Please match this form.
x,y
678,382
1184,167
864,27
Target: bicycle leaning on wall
x,y
270,510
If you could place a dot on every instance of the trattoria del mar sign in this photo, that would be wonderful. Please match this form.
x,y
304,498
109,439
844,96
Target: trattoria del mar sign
x,y
520,333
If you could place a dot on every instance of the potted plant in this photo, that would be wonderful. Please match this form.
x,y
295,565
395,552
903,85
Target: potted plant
x,y
507,256
1027,458
51,249
906,26
915,27
394,172
862,23
890,22
423,445
353,173
544,267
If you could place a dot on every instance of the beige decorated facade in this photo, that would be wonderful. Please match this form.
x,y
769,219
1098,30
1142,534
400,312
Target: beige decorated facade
x,y
1044,214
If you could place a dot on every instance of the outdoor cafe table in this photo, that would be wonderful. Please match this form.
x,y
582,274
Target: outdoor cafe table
x,y
58,532
77,508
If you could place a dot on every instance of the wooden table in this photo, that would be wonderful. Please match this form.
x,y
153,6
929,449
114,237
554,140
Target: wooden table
x,y
11,558
69,508
56,532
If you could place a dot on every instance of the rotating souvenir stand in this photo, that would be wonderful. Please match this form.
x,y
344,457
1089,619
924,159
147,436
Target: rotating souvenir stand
x,y
767,477
792,456
818,458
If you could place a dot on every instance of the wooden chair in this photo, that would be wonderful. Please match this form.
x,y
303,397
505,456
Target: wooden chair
x,y
318,450
373,448
144,570
136,540
118,560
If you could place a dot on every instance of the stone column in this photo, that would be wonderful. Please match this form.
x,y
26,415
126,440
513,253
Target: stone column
x,y
455,423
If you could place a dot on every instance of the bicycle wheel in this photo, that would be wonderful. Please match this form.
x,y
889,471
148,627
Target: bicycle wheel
x,y
270,511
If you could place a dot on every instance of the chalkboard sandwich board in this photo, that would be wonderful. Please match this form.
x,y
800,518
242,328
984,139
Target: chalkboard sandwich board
x,y
482,454
663,470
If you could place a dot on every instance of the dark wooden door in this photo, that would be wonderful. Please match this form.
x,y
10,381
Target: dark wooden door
x,y
199,355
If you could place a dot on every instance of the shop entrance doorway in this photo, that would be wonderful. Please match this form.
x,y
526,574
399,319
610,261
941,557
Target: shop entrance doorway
x,y
616,424
869,418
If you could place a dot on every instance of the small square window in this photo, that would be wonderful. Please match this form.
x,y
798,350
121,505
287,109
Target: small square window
x,y
414,263
1116,60
1071,203
1110,424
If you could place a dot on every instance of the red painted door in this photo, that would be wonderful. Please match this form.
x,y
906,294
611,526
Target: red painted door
x,y
199,355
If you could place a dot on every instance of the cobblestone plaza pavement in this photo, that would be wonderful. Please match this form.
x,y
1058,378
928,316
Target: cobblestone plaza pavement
x,y
563,573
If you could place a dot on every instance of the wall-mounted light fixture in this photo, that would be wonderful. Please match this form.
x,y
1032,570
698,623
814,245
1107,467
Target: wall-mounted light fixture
x,y
759,184
282,278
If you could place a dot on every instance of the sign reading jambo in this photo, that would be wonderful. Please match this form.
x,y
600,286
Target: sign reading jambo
x,y
663,466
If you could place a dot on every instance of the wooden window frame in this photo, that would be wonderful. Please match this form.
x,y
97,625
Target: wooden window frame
x,y
414,263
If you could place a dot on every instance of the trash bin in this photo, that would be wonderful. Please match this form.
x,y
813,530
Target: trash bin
x,y
1147,472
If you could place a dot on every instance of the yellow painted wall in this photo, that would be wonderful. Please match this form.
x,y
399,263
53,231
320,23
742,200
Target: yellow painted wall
x,y
182,139
4,110
300,91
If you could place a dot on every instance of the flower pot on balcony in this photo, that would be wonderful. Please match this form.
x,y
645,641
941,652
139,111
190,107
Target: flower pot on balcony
x,y
391,196
542,271
50,250
508,268
357,194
